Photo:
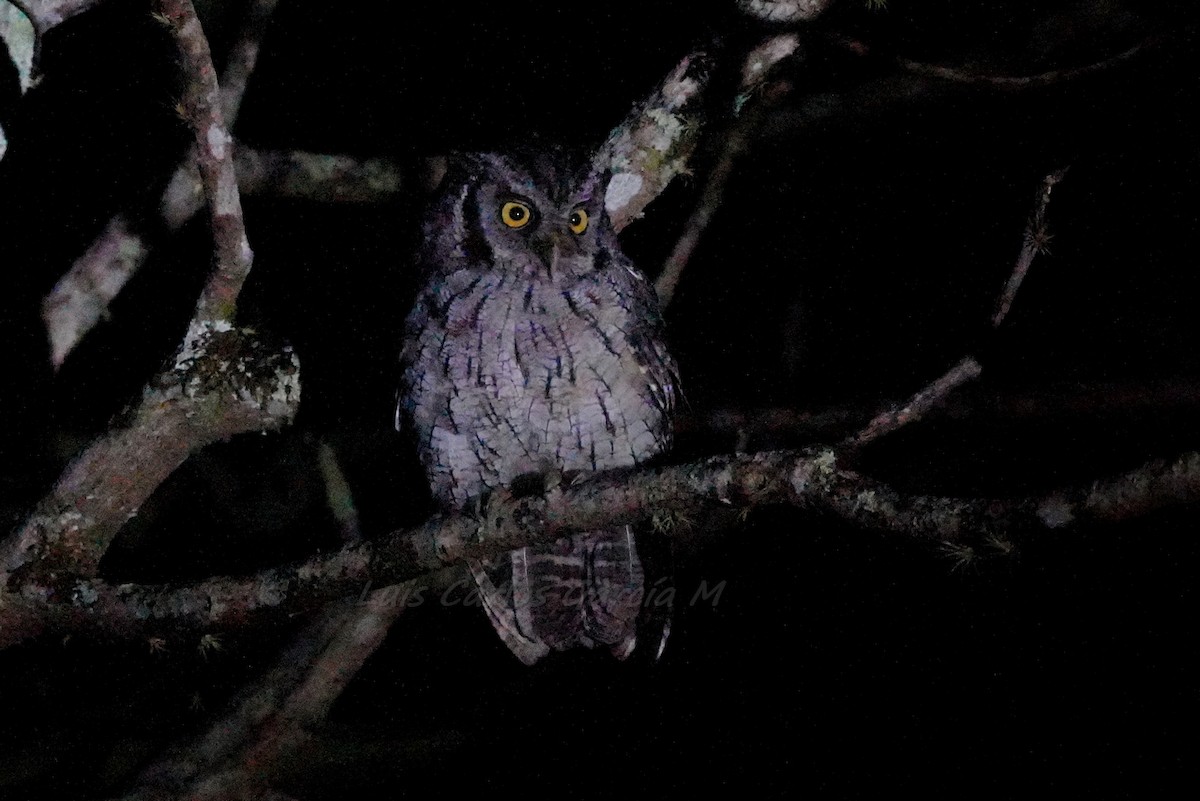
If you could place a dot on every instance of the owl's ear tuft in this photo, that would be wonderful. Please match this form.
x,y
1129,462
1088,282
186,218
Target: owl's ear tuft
x,y
460,165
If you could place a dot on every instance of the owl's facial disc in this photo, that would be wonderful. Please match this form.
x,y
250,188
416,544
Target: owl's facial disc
x,y
559,251
555,233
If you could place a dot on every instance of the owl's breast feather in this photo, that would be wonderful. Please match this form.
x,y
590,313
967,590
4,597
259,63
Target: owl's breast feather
x,y
523,379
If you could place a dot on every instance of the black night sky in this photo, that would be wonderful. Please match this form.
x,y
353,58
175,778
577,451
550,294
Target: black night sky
x,y
857,255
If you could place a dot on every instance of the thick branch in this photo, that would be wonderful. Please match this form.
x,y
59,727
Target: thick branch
x,y
221,384
46,14
783,11
321,177
810,480
654,142
222,381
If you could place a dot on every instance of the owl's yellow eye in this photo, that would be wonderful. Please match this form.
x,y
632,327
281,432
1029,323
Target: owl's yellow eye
x,y
515,214
578,221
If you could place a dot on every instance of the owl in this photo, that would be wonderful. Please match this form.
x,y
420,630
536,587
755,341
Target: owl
x,y
535,348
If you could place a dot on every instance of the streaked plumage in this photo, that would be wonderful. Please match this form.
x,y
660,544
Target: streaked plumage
x,y
535,347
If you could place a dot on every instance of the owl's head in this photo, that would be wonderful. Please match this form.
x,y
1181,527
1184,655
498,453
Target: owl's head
x,y
539,214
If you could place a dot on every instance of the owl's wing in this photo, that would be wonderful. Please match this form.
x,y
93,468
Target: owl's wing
x,y
647,335
414,324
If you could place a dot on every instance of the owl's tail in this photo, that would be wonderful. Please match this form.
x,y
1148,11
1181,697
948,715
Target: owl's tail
x,y
580,590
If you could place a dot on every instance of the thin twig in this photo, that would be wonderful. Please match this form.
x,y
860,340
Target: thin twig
x,y
253,707
761,98
1048,78
737,141
362,629
1096,401
1003,82
920,404
338,496
967,369
1036,240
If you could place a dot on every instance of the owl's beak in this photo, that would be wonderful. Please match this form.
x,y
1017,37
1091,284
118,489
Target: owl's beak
x,y
552,247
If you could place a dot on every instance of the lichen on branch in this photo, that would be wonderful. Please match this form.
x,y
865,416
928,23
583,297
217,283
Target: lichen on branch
x,y
654,143
222,382
812,480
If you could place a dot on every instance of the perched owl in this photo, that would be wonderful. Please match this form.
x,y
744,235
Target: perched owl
x,y
535,347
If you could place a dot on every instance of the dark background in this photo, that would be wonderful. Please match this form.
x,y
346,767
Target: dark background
x,y
857,255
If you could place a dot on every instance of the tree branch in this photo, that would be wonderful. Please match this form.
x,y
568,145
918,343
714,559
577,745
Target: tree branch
x,y
222,381
810,480
755,69
967,369
46,14
654,142
783,11
1048,78
1035,240
922,403
81,297
275,716
201,106
321,177
1044,403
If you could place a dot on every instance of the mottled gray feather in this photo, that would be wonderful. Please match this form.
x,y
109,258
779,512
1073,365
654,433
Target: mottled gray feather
x,y
534,351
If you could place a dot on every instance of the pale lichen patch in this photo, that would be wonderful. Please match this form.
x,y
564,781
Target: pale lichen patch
x,y
825,463
84,594
666,130
1056,512
622,189
217,139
